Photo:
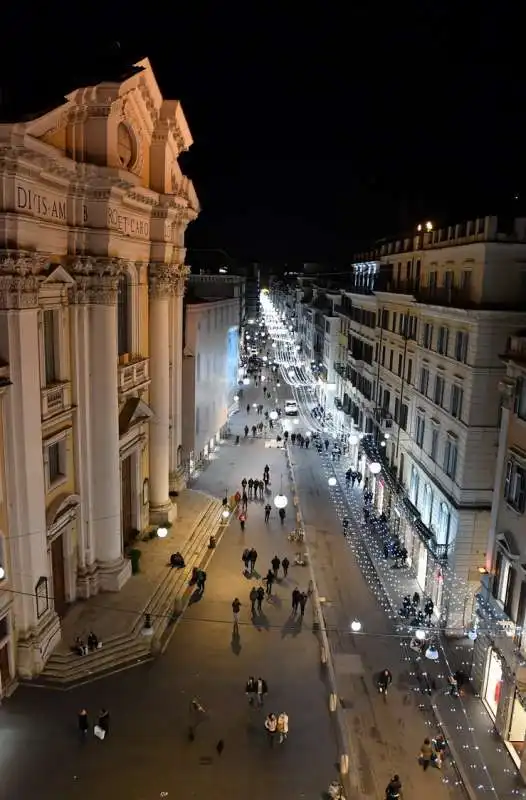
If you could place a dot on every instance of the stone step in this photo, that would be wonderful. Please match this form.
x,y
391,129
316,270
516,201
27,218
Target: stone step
x,y
126,648
94,665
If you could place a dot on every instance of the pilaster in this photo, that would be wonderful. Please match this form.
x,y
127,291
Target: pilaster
x,y
38,626
162,286
177,476
104,568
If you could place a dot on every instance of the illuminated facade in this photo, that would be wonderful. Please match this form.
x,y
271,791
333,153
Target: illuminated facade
x,y
93,212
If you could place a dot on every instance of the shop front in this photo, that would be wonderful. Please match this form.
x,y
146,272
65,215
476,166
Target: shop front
x,y
493,682
515,740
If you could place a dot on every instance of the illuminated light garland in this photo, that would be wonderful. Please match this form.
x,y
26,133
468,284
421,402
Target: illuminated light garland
x,y
387,589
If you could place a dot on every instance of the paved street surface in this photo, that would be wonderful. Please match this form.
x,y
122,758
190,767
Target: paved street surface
x,y
147,752
385,737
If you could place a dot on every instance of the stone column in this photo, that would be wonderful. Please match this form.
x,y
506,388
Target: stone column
x,y
113,570
38,627
80,384
177,476
161,292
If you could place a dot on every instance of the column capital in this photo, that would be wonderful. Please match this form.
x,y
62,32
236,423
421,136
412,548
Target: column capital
x,y
18,292
167,279
97,280
19,271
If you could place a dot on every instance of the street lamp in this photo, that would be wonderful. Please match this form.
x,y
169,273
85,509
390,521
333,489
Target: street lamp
x,y
332,481
2,573
354,438
162,533
375,468
225,514
246,381
356,626
420,635
280,501
273,415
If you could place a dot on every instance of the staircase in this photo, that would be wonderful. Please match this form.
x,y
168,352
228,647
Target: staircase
x,y
166,604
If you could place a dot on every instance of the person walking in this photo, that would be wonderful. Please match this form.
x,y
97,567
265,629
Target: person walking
x,y
426,754
251,690
283,726
245,558
244,483
201,580
260,597
295,600
261,691
242,520
285,564
236,608
303,603
271,724
104,721
276,563
253,600
282,515
250,486
83,723
269,580
252,558
268,509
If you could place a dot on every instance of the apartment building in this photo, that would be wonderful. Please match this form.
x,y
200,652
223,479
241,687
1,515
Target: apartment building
x,y
443,314
500,649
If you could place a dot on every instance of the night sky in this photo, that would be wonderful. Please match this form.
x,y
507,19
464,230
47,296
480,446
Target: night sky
x,y
315,132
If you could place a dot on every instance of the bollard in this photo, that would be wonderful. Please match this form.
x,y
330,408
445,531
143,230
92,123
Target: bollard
x,y
344,764
333,701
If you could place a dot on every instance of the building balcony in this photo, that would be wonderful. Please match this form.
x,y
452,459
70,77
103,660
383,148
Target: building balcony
x,y
134,376
374,453
340,369
55,399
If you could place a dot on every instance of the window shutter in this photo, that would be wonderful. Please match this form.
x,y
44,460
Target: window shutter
x,y
509,591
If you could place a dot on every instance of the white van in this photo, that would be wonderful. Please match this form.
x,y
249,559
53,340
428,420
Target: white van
x,y
291,408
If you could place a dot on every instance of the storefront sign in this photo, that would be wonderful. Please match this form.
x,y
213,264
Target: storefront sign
x,y
128,225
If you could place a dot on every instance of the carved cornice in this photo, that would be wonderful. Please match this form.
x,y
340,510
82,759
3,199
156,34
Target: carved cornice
x,y
22,263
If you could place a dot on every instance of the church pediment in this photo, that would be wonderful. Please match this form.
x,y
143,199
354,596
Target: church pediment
x,y
127,125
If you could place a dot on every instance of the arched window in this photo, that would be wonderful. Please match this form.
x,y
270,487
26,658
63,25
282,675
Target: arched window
x,y
123,315
427,511
443,524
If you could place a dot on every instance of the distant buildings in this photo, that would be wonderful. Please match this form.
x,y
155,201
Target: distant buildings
x,y
214,310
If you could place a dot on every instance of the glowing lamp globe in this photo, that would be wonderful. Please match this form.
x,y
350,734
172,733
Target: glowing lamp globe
x,y
273,415
254,405
354,438
280,501
246,381
236,397
332,481
2,573
356,626
225,514
375,468
420,635
162,533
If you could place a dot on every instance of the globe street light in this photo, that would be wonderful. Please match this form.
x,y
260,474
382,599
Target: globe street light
x,y
273,415
332,481
375,468
356,626
354,438
162,533
280,501
420,635
246,381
